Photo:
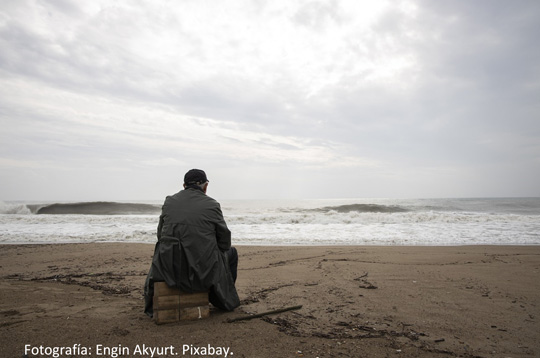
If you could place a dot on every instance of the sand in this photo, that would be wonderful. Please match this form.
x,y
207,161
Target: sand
x,y
358,301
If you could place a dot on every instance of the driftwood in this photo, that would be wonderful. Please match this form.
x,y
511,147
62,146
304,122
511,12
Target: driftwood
x,y
366,284
244,318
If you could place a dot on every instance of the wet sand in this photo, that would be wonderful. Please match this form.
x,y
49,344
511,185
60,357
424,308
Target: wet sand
x,y
358,301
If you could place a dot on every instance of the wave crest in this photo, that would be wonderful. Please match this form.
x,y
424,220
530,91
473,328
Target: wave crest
x,y
99,208
14,209
364,208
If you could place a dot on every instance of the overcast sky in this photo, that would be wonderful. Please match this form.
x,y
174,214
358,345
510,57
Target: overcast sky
x,y
116,100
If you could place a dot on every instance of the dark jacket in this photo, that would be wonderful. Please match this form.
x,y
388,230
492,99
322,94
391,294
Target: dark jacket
x,y
192,238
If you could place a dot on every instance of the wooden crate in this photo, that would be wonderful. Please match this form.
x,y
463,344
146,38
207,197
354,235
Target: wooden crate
x,y
173,305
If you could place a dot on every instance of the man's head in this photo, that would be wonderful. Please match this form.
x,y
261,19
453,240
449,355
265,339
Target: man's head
x,y
196,177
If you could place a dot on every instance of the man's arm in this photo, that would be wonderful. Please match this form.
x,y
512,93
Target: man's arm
x,y
160,226
223,234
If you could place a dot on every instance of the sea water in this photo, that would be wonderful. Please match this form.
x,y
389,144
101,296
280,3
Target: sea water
x,y
491,221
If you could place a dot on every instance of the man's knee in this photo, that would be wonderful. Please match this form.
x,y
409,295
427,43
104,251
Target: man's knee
x,y
232,255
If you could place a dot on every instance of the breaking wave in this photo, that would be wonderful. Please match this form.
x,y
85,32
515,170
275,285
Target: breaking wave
x,y
99,208
363,208
14,209
82,208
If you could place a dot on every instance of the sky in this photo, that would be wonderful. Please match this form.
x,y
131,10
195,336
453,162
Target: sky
x,y
116,100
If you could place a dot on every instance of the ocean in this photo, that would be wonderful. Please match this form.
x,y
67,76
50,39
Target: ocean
x,y
424,222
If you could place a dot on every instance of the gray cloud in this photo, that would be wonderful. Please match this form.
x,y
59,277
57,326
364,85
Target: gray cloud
x,y
429,92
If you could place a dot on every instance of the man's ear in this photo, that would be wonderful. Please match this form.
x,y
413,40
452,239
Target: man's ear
x,y
205,187
184,186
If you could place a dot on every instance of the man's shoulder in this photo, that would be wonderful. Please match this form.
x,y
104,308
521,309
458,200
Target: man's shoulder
x,y
173,197
192,195
207,199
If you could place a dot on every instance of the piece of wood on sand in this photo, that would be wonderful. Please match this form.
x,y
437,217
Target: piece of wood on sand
x,y
257,315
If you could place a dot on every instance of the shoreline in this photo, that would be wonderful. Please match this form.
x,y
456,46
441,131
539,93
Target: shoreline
x,y
261,245
368,301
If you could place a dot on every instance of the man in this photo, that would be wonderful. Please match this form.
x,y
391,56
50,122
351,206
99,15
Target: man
x,y
194,250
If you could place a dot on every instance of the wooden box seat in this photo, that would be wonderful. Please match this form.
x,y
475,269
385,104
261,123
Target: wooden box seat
x,y
173,305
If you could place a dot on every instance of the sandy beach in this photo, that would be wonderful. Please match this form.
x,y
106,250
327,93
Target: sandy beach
x,y
357,301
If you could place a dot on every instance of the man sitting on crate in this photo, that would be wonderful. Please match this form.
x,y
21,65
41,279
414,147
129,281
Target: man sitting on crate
x,y
194,252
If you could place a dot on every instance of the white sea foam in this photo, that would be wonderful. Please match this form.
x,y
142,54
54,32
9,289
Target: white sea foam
x,y
14,208
390,222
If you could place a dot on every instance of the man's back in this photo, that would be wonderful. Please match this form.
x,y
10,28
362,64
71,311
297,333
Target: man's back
x,y
192,216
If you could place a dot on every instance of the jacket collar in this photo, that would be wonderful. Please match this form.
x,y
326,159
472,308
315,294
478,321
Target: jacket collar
x,y
194,186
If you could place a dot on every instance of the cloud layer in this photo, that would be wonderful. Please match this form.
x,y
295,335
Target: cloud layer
x,y
106,100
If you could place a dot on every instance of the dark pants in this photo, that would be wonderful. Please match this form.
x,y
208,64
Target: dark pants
x,y
232,258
